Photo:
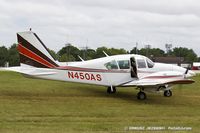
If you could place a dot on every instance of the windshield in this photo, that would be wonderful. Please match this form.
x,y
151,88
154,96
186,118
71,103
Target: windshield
x,y
150,63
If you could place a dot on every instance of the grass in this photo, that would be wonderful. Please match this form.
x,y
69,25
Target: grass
x,y
38,106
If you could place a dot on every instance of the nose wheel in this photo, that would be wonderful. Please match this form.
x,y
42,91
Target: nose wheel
x,y
168,93
111,90
141,95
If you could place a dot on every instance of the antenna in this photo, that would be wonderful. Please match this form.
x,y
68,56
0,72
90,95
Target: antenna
x,y
105,53
81,58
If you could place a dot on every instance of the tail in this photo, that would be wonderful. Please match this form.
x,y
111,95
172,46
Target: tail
x,y
33,52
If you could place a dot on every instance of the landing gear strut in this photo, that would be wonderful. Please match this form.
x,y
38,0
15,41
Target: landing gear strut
x,y
168,93
141,95
111,90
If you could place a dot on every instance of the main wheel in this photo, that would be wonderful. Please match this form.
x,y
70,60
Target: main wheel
x,y
141,95
168,93
113,90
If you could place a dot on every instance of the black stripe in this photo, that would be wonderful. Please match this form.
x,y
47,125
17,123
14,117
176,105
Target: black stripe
x,y
29,46
31,62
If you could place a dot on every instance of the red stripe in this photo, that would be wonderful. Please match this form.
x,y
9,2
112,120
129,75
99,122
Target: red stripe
x,y
32,55
80,69
71,68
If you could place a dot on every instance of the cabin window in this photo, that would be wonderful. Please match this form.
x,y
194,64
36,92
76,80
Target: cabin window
x,y
141,63
111,65
124,64
150,63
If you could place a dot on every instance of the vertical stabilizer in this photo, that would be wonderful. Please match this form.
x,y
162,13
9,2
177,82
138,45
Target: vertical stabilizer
x,y
33,52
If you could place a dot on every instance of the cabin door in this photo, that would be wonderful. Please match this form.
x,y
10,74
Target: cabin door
x,y
133,68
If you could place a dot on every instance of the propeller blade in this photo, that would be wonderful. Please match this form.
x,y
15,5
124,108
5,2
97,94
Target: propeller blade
x,y
186,70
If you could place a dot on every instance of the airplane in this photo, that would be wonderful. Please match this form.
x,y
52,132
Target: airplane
x,y
127,70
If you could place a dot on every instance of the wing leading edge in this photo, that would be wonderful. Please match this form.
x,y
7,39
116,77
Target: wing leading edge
x,y
156,82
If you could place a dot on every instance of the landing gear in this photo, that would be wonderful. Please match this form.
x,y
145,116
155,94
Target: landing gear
x,y
168,93
111,90
141,95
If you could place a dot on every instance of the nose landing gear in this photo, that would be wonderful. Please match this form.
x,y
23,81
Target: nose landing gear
x,y
111,90
168,93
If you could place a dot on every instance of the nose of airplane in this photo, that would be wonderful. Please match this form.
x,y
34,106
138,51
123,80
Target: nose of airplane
x,y
191,73
178,68
183,70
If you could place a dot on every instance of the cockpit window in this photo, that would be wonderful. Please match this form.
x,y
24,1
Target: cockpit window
x,y
150,63
141,63
111,65
123,64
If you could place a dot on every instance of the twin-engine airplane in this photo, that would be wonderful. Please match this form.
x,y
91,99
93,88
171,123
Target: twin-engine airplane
x,y
110,71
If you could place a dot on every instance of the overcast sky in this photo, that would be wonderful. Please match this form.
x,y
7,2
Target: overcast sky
x,y
111,23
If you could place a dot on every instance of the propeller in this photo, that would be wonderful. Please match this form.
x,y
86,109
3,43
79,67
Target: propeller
x,y
186,71
180,86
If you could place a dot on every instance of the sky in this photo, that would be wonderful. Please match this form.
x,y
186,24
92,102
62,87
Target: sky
x,y
110,23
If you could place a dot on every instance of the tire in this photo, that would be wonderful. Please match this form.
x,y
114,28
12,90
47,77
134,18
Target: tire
x,y
168,93
141,95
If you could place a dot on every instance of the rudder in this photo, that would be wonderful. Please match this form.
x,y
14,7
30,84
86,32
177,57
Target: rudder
x,y
33,52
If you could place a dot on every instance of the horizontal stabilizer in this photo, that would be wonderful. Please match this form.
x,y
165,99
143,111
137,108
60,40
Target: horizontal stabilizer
x,y
30,71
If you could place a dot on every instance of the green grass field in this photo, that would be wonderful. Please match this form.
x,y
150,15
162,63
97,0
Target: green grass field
x,y
38,106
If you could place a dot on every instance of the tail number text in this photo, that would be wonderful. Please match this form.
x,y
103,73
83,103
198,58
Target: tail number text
x,y
84,76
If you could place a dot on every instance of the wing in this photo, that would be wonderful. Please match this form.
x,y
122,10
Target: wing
x,y
160,78
157,82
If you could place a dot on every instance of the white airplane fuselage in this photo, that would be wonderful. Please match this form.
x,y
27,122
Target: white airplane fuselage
x,y
95,71
111,71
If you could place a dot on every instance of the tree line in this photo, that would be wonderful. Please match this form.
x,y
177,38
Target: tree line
x,y
71,53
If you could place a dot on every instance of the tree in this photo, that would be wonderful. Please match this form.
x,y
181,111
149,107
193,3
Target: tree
x,y
188,54
70,50
114,51
134,51
66,58
91,54
3,56
109,51
53,53
13,56
88,54
99,52
156,52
